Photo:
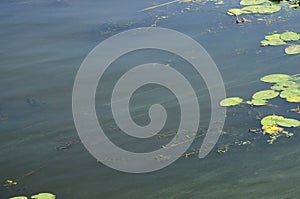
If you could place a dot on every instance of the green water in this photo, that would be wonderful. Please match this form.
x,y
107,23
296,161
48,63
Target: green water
x,y
42,46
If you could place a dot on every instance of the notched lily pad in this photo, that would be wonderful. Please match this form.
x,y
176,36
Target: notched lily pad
x,y
271,120
232,101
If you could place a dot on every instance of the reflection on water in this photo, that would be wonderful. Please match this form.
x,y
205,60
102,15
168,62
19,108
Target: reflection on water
x,y
42,46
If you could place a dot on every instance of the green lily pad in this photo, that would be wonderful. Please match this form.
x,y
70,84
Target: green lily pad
x,y
288,93
251,2
271,120
290,36
272,37
292,50
274,42
286,122
235,11
273,78
293,99
19,197
44,196
285,85
261,9
265,94
232,101
257,102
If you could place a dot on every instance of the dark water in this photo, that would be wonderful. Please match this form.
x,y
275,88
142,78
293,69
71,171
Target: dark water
x,y
42,46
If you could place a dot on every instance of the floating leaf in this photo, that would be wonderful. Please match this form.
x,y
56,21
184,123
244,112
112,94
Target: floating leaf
x,y
290,36
19,197
274,42
273,78
261,9
272,129
257,102
271,120
44,196
235,11
232,101
288,122
285,85
265,94
288,93
292,50
293,99
272,37
251,2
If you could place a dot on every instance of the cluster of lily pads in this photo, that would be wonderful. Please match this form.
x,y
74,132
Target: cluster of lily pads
x,y
37,196
282,39
285,86
254,7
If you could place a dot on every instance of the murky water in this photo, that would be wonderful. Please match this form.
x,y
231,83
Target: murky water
x,y
42,46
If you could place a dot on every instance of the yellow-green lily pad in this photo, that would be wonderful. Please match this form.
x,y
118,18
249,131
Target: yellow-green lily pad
x,y
285,85
265,94
271,120
292,49
274,78
288,93
273,42
286,122
44,196
251,2
261,9
272,37
235,11
293,99
257,102
19,197
290,36
232,101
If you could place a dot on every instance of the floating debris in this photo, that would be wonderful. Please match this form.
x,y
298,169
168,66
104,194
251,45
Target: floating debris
x,y
9,183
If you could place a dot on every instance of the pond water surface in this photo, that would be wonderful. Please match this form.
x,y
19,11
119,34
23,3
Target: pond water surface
x,y
42,46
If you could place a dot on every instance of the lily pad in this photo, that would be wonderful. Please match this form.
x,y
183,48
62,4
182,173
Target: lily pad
x,y
261,9
272,37
293,99
251,2
271,120
286,122
265,94
274,42
232,101
292,50
288,93
290,36
273,78
235,11
44,196
257,102
285,85
19,197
